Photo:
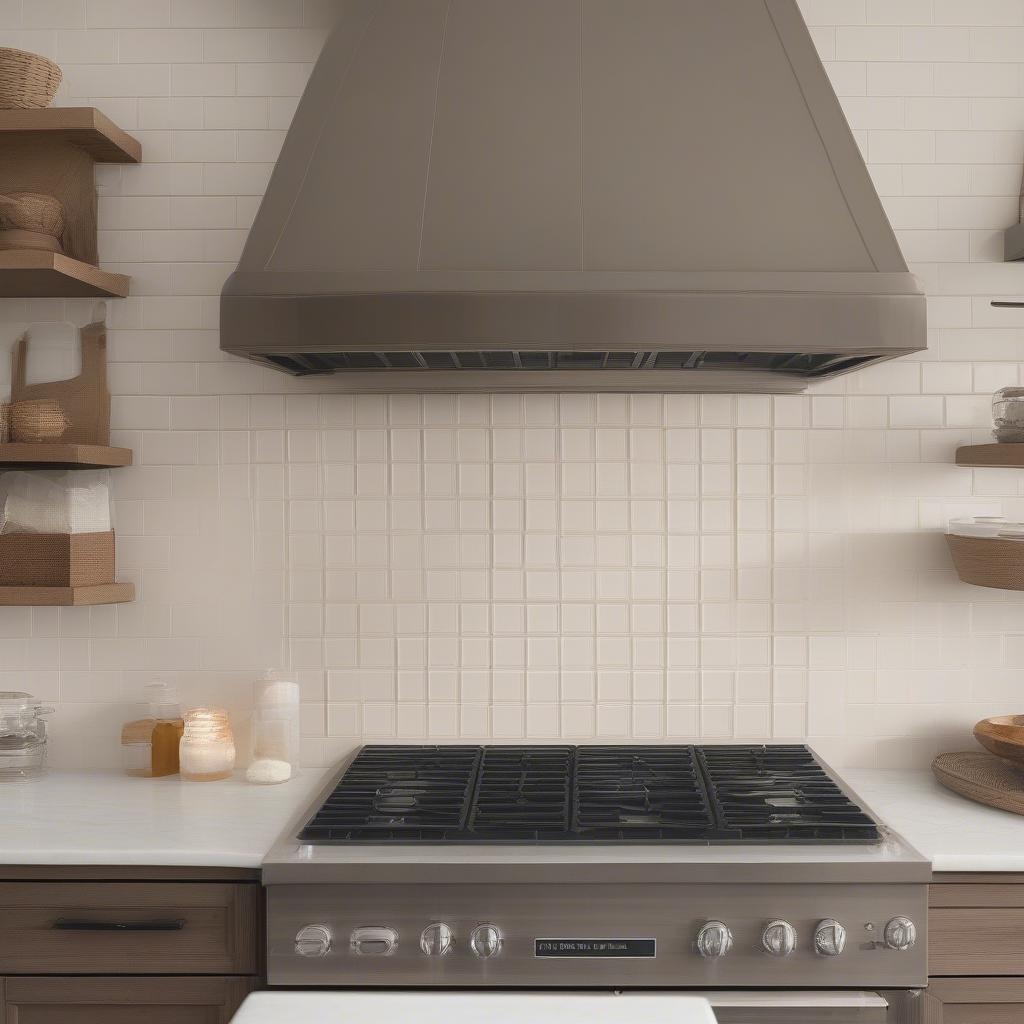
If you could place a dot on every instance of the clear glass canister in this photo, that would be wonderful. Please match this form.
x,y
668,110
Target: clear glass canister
x,y
207,750
22,736
149,742
1008,415
275,731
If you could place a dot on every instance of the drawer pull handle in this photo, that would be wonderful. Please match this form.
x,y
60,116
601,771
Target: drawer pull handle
x,y
73,924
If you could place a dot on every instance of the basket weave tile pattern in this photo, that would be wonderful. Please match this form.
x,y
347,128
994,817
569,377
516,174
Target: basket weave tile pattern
x,y
27,80
38,419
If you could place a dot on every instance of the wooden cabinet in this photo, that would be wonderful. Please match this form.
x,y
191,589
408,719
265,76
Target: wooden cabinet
x,y
167,1000
975,950
146,945
128,927
973,1001
976,928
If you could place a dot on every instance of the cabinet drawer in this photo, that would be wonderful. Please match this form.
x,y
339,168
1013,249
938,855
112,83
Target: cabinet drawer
x,y
976,940
128,928
973,1001
133,1000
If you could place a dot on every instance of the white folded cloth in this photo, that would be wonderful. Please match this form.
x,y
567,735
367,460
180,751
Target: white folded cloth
x,y
40,503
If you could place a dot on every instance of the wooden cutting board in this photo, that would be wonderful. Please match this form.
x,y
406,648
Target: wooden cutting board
x,y
982,777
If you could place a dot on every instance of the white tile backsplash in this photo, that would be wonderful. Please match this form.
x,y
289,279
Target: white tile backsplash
x,y
579,567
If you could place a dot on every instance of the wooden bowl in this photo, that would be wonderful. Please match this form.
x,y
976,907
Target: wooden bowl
x,y
1003,736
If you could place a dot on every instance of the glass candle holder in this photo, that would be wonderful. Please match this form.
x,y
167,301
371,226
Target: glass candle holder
x,y
207,751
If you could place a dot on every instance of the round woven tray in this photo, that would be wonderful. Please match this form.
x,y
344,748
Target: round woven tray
x,y
27,80
982,777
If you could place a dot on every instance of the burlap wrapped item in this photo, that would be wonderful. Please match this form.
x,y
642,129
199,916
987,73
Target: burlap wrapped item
x,y
27,80
37,419
31,220
84,400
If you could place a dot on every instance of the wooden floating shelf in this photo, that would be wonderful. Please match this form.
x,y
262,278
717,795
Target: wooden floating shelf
x,y
35,274
37,455
1009,456
109,593
85,127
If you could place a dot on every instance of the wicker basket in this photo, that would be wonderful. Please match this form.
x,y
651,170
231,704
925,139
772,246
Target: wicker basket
x,y
38,419
27,81
988,561
5,422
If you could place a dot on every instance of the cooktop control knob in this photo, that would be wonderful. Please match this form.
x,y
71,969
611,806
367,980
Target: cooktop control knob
x,y
313,940
778,938
485,941
829,938
714,939
436,939
374,941
900,933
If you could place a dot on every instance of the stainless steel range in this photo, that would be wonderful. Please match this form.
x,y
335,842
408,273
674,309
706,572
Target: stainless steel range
x,y
749,872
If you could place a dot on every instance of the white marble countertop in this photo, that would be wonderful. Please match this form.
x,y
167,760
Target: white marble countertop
x,y
105,818
955,833
108,818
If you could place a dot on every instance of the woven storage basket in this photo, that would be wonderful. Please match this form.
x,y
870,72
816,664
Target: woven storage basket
x,y
27,81
988,561
5,422
38,419
56,559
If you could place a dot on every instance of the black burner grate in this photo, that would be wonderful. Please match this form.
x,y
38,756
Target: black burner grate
x,y
523,794
634,793
599,794
781,793
400,792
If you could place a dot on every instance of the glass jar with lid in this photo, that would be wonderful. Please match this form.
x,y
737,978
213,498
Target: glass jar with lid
x,y
149,741
22,736
275,730
1008,415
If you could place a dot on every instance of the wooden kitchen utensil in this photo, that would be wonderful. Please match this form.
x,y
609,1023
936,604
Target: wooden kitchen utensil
x,y
84,400
982,777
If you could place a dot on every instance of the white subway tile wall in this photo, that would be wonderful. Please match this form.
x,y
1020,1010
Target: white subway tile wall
x,y
579,567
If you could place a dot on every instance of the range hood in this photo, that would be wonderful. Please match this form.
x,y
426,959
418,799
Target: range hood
x,y
607,195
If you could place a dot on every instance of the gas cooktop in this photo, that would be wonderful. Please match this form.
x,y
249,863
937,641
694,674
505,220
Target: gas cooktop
x,y
708,795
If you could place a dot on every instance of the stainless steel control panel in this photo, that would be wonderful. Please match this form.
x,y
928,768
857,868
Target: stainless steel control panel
x,y
695,935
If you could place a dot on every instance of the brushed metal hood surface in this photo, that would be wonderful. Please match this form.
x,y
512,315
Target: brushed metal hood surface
x,y
657,195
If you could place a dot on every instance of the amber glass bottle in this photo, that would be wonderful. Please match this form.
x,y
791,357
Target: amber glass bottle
x,y
149,743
